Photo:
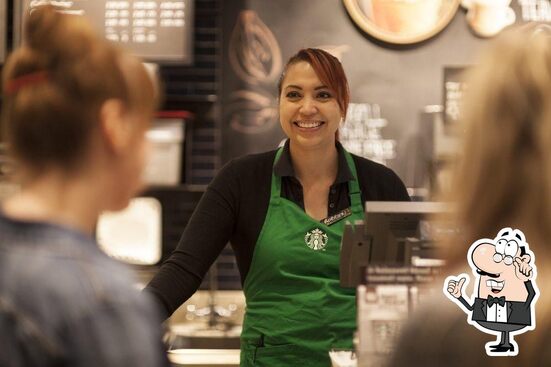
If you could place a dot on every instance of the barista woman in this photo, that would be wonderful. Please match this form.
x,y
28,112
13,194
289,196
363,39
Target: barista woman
x,y
284,212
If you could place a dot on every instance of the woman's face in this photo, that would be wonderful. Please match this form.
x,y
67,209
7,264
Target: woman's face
x,y
132,160
309,113
139,150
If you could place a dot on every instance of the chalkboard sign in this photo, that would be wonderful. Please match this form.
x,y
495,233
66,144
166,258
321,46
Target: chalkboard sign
x,y
454,88
157,30
3,30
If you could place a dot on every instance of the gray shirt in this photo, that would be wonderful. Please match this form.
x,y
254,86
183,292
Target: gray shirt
x,y
65,303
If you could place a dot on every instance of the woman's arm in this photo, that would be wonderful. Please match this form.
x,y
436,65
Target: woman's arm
x,y
207,233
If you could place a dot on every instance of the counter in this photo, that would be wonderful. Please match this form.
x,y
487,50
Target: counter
x,y
204,357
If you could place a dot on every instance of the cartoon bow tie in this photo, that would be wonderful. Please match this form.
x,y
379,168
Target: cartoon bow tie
x,y
492,300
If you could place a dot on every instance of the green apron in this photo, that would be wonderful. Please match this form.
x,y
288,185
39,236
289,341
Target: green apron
x,y
296,309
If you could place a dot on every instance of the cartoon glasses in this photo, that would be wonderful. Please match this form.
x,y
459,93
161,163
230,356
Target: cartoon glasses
x,y
507,259
505,251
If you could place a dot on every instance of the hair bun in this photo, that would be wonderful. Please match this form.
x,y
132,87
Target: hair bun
x,y
46,32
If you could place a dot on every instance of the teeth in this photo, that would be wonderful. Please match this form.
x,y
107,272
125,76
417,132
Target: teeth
x,y
308,124
495,284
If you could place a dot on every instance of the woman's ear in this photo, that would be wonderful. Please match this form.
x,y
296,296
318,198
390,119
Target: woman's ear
x,y
114,127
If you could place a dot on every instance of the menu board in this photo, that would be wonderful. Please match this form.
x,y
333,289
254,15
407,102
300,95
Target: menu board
x,y
3,31
454,88
157,30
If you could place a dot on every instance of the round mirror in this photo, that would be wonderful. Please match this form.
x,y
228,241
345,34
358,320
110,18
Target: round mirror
x,y
402,21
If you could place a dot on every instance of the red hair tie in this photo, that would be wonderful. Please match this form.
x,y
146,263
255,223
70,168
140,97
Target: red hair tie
x,y
16,84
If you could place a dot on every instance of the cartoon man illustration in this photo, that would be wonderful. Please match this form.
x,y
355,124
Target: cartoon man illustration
x,y
504,292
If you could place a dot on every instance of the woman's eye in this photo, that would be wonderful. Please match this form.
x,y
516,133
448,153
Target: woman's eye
x,y
292,94
324,95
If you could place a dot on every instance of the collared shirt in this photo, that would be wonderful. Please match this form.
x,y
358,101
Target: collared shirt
x,y
291,187
233,210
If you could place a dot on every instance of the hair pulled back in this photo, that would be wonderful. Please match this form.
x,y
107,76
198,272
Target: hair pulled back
x,y
49,120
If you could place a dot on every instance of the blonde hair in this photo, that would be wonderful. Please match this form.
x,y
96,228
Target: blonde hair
x,y
56,83
503,178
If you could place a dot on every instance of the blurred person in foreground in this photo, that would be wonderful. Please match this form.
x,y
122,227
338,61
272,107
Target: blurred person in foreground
x,y
75,110
503,179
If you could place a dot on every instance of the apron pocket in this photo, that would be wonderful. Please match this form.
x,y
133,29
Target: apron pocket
x,y
276,355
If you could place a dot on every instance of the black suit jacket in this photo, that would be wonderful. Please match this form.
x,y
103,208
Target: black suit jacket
x,y
517,312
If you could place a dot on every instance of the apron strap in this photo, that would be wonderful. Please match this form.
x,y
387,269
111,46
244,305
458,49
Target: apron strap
x,y
276,180
353,185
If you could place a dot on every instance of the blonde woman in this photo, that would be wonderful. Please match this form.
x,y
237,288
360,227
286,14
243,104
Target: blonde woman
x,y
502,180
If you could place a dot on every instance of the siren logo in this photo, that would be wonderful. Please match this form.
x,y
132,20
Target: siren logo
x,y
316,239
505,290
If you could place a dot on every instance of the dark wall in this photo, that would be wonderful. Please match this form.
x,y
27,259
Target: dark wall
x,y
401,79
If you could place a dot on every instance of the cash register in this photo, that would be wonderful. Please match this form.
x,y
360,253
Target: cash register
x,y
391,257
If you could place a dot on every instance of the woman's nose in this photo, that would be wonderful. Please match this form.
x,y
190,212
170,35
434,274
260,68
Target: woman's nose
x,y
308,107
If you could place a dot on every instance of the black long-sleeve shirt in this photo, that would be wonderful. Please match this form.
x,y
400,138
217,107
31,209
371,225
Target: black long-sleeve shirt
x,y
233,209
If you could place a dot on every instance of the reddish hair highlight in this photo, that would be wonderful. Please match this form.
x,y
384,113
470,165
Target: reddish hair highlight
x,y
328,69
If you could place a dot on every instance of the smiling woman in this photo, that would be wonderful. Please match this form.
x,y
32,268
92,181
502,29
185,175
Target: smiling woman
x,y
271,207
313,99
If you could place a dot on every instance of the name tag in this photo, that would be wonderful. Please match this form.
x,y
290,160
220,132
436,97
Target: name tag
x,y
339,216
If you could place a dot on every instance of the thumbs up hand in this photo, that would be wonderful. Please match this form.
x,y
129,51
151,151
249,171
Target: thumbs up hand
x,y
455,287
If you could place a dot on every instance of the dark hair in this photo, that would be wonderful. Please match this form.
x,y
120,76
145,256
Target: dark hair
x,y
56,83
328,69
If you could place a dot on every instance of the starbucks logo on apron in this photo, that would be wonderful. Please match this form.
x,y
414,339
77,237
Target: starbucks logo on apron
x,y
316,239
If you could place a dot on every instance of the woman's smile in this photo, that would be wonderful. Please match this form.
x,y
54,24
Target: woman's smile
x,y
308,125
